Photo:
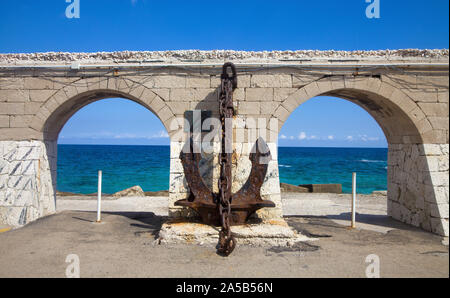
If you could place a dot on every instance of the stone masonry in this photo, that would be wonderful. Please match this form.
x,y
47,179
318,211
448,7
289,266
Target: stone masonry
x,y
406,92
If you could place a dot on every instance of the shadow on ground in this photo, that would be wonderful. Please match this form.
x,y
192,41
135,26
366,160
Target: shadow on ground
x,y
123,245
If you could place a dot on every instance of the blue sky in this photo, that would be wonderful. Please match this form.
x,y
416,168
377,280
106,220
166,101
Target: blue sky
x,y
105,25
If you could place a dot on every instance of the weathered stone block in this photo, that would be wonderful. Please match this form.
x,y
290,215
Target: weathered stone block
x,y
38,83
9,108
4,121
184,95
198,82
281,94
269,80
12,83
312,90
207,94
178,108
268,108
14,95
440,123
434,109
443,96
282,113
32,108
20,120
299,81
386,90
259,94
168,81
249,108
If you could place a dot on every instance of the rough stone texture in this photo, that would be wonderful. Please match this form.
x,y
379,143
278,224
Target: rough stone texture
x,y
218,55
135,191
273,233
26,182
418,185
408,100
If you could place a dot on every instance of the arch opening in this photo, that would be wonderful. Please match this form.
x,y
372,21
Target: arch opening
x,y
328,138
411,194
140,158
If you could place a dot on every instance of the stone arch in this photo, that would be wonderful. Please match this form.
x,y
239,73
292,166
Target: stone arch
x,y
65,102
417,185
58,109
400,118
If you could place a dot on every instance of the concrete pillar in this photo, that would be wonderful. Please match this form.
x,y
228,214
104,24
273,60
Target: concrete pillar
x,y
418,185
27,181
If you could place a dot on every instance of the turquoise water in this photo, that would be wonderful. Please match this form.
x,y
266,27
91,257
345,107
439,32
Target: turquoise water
x,y
122,167
335,165
148,166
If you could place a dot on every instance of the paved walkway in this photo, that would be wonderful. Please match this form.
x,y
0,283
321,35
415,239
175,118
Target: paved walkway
x,y
123,246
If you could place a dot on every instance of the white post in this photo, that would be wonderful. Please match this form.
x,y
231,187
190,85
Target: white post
x,y
99,197
353,200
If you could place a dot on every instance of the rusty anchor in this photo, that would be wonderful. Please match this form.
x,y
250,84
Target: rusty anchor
x,y
224,208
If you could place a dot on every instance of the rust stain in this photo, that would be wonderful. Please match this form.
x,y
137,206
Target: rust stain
x,y
276,222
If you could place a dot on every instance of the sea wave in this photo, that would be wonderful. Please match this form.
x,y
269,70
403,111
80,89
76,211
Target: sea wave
x,y
369,160
284,166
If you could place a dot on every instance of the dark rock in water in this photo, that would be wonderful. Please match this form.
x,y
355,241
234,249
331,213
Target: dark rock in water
x,y
380,193
161,193
66,194
323,188
316,188
292,188
135,191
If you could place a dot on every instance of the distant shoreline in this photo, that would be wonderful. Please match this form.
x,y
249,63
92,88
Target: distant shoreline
x,y
145,145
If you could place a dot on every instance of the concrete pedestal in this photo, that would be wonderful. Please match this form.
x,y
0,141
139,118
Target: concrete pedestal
x,y
270,233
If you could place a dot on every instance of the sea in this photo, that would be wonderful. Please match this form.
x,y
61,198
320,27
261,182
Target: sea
x,y
148,166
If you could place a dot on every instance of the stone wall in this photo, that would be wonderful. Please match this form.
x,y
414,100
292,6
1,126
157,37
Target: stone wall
x,y
26,182
408,100
418,185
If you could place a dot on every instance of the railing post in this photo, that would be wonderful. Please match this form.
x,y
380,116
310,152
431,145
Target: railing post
x,y
353,201
99,197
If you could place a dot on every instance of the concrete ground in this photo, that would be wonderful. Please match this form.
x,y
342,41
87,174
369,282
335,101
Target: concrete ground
x,y
123,244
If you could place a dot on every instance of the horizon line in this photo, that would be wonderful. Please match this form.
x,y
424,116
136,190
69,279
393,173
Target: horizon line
x,y
150,145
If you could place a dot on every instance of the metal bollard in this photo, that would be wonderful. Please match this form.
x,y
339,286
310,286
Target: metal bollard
x,y
99,197
353,201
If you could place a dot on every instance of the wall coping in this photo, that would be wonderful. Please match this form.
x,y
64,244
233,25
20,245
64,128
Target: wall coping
x,y
219,56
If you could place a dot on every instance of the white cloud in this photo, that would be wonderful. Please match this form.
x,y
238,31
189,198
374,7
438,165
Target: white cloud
x,y
285,137
162,134
364,138
330,137
109,135
125,136
302,136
